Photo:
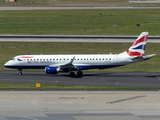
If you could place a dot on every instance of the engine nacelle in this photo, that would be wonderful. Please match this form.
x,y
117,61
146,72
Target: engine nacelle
x,y
52,70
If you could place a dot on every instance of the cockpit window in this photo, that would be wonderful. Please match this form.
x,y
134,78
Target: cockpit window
x,y
13,59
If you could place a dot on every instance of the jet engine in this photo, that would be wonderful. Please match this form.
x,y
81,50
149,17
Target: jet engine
x,y
52,70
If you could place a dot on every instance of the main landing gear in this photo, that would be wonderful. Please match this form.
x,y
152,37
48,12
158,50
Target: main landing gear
x,y
79,73
72,74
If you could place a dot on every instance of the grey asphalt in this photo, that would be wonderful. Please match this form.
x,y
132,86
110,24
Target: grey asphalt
x,y
132,79
78,7
74,38
79,105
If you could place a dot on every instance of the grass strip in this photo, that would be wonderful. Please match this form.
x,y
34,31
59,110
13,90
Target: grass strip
x,y
69,87
74,3
80,22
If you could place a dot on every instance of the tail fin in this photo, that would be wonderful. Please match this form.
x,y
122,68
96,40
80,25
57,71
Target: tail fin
x,y
138,47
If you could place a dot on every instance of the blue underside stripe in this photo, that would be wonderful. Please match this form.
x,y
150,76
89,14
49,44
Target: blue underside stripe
x,y
26,67
80,67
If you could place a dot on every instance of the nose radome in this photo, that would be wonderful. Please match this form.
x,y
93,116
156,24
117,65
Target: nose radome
x,y
7,64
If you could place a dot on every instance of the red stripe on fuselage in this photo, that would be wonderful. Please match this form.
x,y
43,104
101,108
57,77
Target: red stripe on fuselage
x,y
26,57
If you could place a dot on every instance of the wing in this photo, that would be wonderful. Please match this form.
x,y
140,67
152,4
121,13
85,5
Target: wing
x,y
69,66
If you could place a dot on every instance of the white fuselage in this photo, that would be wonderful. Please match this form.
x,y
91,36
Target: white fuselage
x,y
80,61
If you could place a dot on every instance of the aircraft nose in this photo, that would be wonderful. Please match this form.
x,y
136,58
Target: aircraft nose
x,y
6,64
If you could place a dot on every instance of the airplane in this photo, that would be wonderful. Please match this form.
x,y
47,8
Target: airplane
x,y
53,64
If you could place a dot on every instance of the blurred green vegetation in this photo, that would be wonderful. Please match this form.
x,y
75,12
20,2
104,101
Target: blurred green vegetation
x,y
80,22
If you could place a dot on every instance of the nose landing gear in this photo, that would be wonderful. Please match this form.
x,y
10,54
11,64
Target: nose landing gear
x,y
20,71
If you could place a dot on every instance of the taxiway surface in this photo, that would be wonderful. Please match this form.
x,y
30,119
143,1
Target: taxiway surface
x,y
74,38
79,105
78,7
132,79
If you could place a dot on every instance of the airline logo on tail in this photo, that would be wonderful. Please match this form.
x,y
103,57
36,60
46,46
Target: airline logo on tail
x,y
138,47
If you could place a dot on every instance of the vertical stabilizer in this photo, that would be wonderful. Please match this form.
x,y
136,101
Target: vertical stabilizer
x,y
138,47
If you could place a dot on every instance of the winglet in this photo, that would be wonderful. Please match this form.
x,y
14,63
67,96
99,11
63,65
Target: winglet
x,y
72,60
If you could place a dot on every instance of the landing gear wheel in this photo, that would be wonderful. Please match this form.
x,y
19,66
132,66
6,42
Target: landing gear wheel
x,y
20,73
79,73
71,74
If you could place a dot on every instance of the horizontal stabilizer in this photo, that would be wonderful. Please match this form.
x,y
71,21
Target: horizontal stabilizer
x,y
148,56
143,57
